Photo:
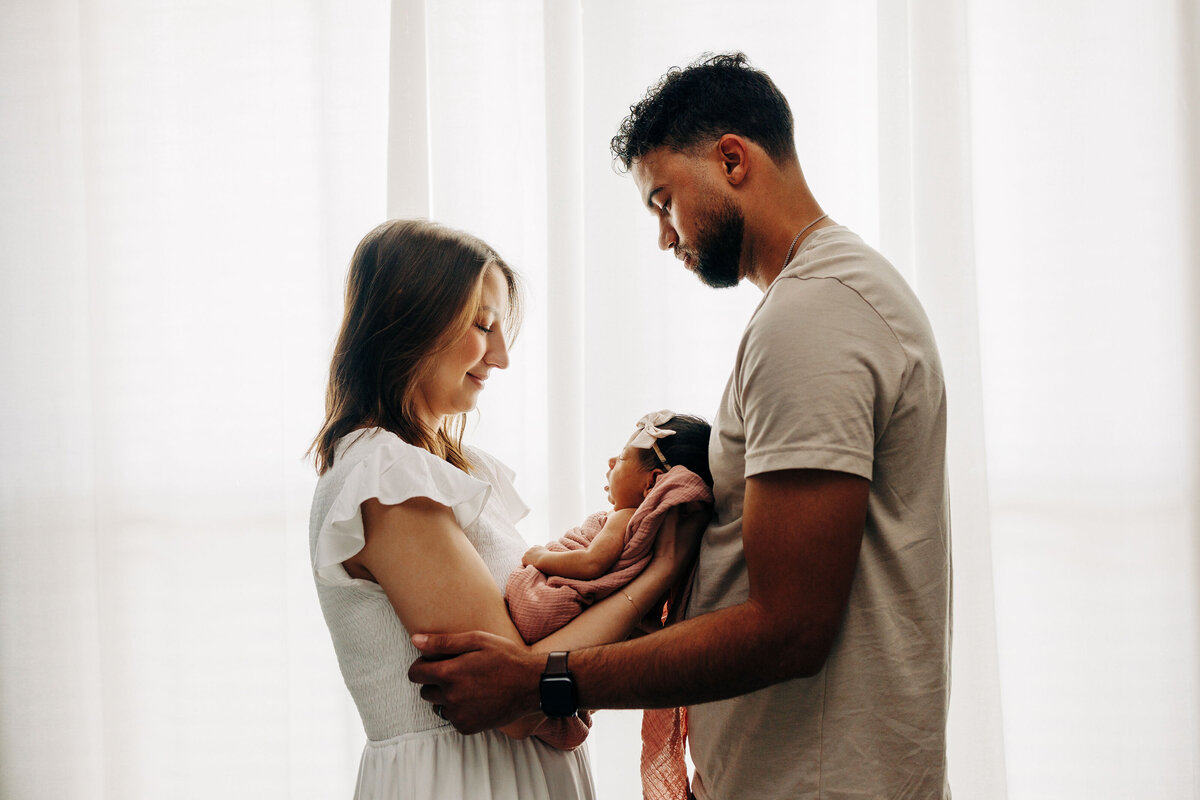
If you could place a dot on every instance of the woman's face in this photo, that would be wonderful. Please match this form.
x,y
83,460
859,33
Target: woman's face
x,y
459,372
628,480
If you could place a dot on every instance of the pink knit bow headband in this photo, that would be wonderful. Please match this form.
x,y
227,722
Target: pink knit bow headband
x,y
648,433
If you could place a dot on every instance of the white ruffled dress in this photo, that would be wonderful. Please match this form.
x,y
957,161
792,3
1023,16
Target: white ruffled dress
x,y
411,752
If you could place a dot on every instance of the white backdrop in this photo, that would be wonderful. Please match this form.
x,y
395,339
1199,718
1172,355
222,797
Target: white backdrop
x,y
183,185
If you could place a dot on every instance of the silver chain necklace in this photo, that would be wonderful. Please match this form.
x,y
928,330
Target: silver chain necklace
x,y
792,247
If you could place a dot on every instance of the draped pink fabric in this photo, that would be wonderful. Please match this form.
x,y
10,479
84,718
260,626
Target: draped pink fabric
x,y
664,771
664,730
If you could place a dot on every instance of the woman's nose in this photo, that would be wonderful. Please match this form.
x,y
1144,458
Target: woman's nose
x,y
497,354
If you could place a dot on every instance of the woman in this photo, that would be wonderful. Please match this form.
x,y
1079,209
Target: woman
x,y
412,531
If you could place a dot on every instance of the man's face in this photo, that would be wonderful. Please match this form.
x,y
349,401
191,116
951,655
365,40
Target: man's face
x,y
695,219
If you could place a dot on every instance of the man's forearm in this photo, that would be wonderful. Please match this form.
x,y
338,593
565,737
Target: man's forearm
x,y
712,657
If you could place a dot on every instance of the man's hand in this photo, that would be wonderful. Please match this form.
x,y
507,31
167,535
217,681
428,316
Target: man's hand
x,y
481,680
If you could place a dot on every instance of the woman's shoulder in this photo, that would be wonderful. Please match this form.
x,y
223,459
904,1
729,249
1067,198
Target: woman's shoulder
x,y
377,457
376,454
357,443
381,444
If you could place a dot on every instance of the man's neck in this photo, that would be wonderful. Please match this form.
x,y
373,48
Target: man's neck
x,y
780,214
768,258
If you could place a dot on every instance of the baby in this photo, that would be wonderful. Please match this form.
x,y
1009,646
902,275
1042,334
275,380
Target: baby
x,y
663,466
663,440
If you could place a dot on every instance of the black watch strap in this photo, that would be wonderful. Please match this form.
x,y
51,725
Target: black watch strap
x,y
556,663
556,690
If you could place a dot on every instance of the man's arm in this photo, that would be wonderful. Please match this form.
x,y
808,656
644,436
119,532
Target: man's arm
x,y
801,530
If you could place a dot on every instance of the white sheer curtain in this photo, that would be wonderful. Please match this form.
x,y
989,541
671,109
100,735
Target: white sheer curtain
x,y
180,186
183,185
1085,214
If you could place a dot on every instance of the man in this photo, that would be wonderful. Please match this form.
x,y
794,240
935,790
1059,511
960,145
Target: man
x,y
815,657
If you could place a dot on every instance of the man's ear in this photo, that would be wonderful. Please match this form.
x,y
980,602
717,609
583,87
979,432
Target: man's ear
x,y
735,157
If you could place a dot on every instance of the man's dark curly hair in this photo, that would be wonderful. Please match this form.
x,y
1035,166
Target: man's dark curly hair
x,y
716,95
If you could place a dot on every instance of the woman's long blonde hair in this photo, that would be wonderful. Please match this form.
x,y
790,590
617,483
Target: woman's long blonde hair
x,y
412,290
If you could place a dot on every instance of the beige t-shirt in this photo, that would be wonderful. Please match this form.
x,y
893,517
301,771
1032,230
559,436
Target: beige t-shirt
x,y
838,370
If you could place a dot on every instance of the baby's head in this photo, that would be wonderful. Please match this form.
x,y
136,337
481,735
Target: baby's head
x,y
663,440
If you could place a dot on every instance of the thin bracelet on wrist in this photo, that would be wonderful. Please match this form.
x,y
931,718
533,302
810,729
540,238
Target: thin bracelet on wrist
x,y
630,599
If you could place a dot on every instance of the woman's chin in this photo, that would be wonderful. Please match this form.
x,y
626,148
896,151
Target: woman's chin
x,y
469,402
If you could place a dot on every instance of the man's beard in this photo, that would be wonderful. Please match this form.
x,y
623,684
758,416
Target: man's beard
x,y
719,246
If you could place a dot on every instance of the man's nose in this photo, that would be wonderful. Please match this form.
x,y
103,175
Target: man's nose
x,y
667,237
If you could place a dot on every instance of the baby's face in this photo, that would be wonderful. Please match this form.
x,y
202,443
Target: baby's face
x,y
628,480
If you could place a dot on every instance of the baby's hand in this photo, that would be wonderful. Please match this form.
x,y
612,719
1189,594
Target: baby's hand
x,y
532,555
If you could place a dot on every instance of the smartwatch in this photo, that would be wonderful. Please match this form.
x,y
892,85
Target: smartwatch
x,y
557,688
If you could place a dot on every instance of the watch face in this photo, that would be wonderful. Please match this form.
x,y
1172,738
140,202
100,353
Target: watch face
x,y
558,696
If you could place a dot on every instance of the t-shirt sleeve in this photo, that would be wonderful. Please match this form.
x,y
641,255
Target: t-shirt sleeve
x,y
391,472
818,366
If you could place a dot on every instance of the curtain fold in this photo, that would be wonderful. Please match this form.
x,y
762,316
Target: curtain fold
x,y
408,112
565,225
940,213
1188,66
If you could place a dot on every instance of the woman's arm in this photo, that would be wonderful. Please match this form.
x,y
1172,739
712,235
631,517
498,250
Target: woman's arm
x,y
430,572
593,561
437,583
432,575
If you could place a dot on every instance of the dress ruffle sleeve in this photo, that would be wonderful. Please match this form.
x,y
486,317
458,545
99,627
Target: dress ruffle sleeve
x,y
502,479
392,472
